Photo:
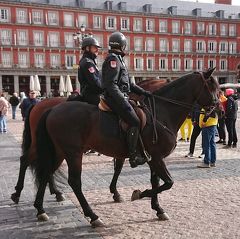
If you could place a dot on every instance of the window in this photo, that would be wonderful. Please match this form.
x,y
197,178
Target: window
x,y
70,60
23,59
175,45
97,22
99,38
55,60
176,64
149,25
212,29
199,64
163,64
187,27
37,17
223,65
162,26
38,38
211,63
200,28
138,44
150,64
21,16
128,43
22,37
150,43
111,23
232,47
232,30
83,20
223,29
53,18
137,25
68,38
187,45
200,46
175,27
53,39
188,64
6,37
212,47
125,24
138,64
223,47
163,45
6,59
4,15
68,19
39,60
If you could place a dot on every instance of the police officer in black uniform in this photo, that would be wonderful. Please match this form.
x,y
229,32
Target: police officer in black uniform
x,y
88,73
117,86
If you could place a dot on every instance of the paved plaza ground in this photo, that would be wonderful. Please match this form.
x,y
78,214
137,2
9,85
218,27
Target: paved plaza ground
x,y
202,204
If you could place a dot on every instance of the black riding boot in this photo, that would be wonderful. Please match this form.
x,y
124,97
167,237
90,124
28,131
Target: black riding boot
x,y
135,157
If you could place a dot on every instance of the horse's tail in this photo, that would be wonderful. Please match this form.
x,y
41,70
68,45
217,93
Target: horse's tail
x,y
44,164
27,139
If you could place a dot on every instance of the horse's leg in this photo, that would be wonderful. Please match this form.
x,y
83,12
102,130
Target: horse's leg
x,y
118,165
53,189
160,171
74,180
24,163
38,204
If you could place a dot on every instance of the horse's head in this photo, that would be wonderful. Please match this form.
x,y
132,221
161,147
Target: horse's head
x,y
208,93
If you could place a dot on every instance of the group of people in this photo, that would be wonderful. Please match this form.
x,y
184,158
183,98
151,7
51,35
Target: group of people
x,y
212,122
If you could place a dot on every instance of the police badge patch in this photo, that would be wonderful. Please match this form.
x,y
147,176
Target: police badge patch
x,y
113,64
91,69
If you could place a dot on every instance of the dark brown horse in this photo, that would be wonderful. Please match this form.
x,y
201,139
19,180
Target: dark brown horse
x,y
29,143
69,129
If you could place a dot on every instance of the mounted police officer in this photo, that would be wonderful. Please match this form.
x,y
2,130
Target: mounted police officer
x,y
88,73
117,86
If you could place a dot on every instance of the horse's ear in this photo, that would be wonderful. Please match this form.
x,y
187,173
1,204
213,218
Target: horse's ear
x,y
209,72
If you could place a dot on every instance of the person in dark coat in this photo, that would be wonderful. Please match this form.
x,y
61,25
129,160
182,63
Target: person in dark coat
x,y
27,103
117,86
88,73
14,101
231,117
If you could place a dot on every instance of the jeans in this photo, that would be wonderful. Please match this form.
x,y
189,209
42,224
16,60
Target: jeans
x,y
209,145
14,112
231,129
3,124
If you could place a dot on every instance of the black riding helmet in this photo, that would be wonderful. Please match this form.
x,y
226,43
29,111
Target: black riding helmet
x,y
117,41
90,41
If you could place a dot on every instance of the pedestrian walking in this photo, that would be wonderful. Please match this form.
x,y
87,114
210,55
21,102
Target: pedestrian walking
x,y
231,117
14,101
4,105
208,122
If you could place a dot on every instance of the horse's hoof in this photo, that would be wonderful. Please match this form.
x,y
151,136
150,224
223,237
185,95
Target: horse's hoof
x,y
15,198
135,195
118,198
98,223
163,216
43,217
60,197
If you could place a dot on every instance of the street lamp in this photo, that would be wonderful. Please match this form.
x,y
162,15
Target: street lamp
x,y
80,35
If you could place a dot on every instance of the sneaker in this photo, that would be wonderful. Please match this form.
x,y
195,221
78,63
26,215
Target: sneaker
x,y
234,146
181,139
189,155
213,165
227,146
219,141
201,156
187,139
203,165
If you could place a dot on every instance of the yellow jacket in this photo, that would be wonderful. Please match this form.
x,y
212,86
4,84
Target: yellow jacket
x,y
206,120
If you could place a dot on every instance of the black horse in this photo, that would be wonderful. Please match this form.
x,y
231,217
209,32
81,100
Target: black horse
x,y
69,129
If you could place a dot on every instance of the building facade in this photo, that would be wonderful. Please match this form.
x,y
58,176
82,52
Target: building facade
x,y
165,41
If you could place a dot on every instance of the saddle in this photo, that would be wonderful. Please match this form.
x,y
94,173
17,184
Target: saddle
x,y
103,106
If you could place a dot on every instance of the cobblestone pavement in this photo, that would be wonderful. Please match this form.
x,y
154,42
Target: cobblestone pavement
x,y
203,203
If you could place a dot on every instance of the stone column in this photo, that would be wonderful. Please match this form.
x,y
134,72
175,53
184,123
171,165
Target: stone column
x,y
48,85
16,84
0,83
